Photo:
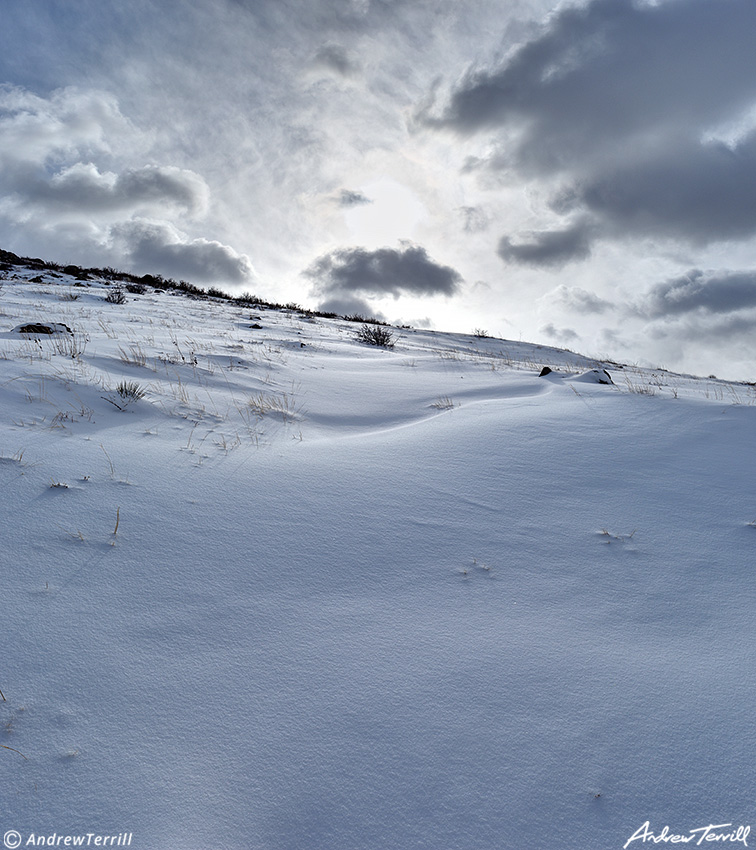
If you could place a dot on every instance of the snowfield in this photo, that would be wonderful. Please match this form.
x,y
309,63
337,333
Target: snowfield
x,y
285,590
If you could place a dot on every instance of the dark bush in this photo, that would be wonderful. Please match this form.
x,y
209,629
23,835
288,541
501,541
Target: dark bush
x,y
376,335
116,295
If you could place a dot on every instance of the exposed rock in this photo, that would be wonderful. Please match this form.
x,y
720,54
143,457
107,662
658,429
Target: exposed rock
x,y
595,376
38,328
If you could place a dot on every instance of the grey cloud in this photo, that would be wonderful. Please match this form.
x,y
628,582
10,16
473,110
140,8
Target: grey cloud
x,y
53,183
581,301
700,192
613,69
336,58
474,219
348,198
704,292
620,101
561,335
346,305
83,189
159,247
701,337
548,247
50,150
386,271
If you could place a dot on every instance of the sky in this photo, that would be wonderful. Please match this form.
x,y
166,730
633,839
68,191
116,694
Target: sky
x,y
572,174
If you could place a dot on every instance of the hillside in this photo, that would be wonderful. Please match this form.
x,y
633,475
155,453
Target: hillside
x,y
268,586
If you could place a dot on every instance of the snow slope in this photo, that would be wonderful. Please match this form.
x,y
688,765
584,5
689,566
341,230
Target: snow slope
x,y
309,593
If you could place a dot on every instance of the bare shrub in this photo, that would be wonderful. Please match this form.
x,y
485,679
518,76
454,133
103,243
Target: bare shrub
x,y
376,335
116,295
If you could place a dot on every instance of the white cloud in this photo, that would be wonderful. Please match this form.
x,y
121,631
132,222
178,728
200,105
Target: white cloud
x,y
71,121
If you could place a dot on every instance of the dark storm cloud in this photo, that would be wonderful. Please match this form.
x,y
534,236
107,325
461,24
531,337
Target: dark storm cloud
x,y
386,271
348,198
548,247
719,292
613,69
621,103
155,246
701,193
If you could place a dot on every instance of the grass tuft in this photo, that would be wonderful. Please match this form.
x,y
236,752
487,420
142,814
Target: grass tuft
x,y
130,391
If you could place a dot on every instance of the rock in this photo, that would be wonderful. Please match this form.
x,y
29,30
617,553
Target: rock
x,y
38,328
595,376
547,370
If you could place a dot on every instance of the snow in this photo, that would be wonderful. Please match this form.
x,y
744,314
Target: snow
x,y
309,593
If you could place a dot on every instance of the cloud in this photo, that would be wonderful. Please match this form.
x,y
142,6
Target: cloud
x,y
582,88
347,305
51,150
336,58
637,116
474,219
579,300
348,198
82,188
36,130
158,247
58,187
698,192
720,292
704,339
386,271
561,335
548,247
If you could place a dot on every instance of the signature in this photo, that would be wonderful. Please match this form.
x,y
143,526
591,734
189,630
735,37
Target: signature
x,y
701,833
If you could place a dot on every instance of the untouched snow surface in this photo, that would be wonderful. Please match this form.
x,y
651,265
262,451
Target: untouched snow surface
x,y
311,594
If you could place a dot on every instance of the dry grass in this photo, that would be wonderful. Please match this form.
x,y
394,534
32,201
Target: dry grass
x,y
279,404
135,356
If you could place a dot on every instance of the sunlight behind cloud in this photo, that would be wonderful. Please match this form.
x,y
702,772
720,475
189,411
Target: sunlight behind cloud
x,y
393,213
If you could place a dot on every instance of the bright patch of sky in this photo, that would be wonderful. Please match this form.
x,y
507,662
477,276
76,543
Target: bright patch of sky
x,y
391,214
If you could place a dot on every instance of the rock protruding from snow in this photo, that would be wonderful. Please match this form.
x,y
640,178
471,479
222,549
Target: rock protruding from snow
x,y
594,376
38,328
